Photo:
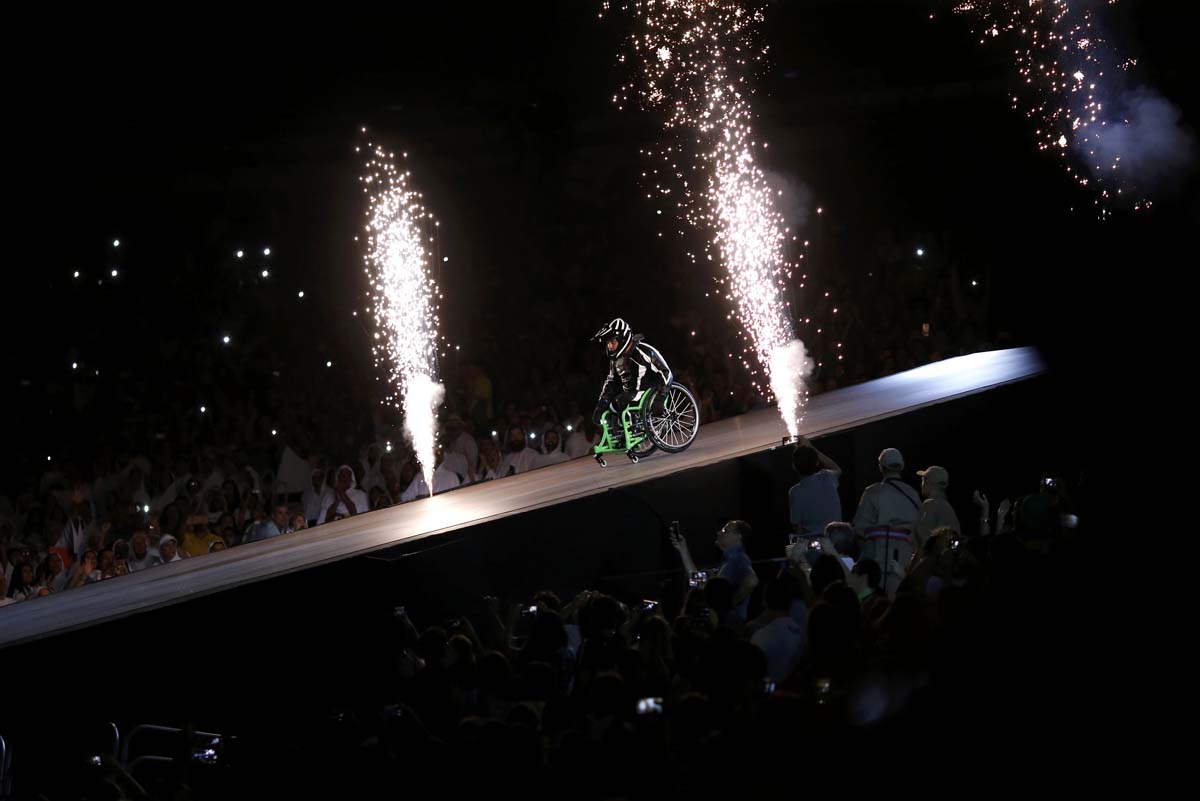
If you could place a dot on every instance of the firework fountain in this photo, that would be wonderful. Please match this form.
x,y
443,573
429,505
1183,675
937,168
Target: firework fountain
x,y
694,60
404,299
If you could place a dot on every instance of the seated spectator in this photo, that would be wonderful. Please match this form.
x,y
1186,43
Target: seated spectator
x,y
197,537
518,456
168,549
274,527
813,501
314,496
582,439
24,583
140,554
489,460
343,499
460,442
552,452
443,479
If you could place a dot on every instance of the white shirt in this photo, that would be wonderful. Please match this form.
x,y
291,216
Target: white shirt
x,y
520,462
554,457
889,503
579,445
466,446
456,463
314,500
443,480
356,496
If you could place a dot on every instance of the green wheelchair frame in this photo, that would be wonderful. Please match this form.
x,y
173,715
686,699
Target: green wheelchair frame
x,y
637,440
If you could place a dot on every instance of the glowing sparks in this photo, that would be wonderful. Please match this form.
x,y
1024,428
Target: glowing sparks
x,y
1059,46
696,58
404,298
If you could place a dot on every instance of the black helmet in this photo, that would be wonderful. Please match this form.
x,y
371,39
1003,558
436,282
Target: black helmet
x,y
617,328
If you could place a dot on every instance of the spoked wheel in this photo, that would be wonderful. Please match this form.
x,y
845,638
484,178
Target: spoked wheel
x,y
675,427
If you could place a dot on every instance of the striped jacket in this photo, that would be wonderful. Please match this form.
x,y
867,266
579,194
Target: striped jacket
x,y
639,367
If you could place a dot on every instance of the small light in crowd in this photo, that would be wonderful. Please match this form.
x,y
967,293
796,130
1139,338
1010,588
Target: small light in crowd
x,y
203,409
569,427
974,283
114,273
77,273
495,433
74,365
329,364
240,254
225,339
532,435
920,251
273,432
47,458
116,243
445,259
266,273
388,448
820,210
300,294
146,509
266,251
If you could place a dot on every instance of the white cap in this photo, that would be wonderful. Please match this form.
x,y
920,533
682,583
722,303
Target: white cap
x,y
891,458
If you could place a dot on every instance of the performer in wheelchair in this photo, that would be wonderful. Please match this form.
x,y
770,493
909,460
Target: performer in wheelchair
x,y
633,366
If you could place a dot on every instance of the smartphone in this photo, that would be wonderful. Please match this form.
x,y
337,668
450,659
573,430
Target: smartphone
x,y
650,706
768,686
954,543
697,579
649,606
814,545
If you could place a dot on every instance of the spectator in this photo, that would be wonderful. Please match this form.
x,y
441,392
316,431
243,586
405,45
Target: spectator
x,y
887,517
459,441
781,639
5,598
936,511
314,496
582,439
141,556
443,479
168,549
197,537
23,585
518,456
552,451
344,499
489,460
736,567
52,574
277,525
813,500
